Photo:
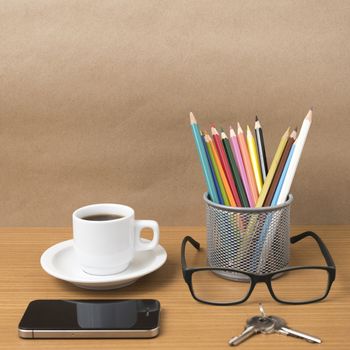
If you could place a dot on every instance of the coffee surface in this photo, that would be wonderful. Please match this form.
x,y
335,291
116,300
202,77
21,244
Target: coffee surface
x,y
102,217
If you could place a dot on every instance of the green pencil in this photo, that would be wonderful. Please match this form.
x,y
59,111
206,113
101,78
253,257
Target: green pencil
x,y
241,191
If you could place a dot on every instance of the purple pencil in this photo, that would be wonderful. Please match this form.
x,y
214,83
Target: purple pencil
x,y
239,161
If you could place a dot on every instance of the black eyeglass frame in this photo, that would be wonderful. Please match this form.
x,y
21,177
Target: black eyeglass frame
x,y
187,272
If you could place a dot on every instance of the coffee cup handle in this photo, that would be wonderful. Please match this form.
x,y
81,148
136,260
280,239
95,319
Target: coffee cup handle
x,y
141,224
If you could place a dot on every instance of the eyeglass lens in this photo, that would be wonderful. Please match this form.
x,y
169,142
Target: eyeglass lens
x,y
210,287
301,285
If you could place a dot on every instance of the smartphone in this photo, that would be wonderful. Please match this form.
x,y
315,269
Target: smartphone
x,y
128,318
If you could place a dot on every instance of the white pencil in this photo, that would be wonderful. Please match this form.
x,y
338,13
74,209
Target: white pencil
x,y
299,145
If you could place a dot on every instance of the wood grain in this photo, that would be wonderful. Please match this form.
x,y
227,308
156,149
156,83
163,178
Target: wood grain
x,y
185,324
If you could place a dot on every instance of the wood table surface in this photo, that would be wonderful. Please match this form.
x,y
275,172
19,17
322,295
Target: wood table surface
x,y
185,323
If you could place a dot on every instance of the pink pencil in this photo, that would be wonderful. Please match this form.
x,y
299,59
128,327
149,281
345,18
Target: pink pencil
x,y
239,161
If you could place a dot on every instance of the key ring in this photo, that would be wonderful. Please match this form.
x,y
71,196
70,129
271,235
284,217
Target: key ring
x,y
262,311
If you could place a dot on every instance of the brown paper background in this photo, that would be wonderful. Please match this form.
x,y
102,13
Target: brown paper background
x,y
95,96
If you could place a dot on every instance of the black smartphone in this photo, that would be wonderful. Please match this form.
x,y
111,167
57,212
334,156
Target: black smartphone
x,y
128,318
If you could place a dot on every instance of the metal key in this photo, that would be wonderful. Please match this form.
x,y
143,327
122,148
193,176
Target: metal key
x,y
256,324
281,328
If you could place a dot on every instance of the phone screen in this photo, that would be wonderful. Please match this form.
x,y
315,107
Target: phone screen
x,y
91,314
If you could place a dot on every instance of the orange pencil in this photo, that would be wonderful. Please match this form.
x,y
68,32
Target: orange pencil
x,y
247,163
221,171
225,165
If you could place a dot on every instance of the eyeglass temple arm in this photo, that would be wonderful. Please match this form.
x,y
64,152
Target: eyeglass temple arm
x,y
183,246
325,252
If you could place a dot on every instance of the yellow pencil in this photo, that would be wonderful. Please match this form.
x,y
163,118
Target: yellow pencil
x,y
253,152
273,168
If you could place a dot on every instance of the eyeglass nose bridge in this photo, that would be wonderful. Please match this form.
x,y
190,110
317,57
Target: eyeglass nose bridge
x,y
264,278
259,278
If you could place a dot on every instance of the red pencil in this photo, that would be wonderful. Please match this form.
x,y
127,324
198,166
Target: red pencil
x,y
225,165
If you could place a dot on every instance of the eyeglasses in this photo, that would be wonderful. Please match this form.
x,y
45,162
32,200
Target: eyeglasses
x,y
291,285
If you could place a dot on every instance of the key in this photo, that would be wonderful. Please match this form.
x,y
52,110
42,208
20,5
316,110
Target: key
x,y
281,328
256,324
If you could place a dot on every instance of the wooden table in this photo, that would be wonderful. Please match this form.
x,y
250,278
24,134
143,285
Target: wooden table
x,y
185,323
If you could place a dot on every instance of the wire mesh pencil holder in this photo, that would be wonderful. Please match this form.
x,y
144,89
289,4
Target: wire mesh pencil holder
x,y
247,239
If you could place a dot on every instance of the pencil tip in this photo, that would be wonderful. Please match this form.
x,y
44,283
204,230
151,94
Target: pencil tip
x,y
287,132
293,134
192,118
309,115
257,123
213,130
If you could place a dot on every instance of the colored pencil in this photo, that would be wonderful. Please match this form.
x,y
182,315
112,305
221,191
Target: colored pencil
x,y
273,168
225,165
283,176
217,186
203,159
247,164
230,199
261,148
222,190
299,145
281,165
234,169
254,158
239,161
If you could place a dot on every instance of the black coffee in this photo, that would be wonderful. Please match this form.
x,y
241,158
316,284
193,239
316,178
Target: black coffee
x,y
102,217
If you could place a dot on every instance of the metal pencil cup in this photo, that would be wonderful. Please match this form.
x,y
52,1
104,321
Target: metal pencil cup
x,y
247,239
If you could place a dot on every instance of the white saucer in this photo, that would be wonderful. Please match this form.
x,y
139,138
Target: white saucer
x,y
61,262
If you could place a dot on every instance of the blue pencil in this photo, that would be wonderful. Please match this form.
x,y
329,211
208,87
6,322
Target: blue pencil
x,y
221,201
204,160
283,175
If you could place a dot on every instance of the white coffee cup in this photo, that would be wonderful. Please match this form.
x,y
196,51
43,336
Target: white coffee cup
x,y
107,247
